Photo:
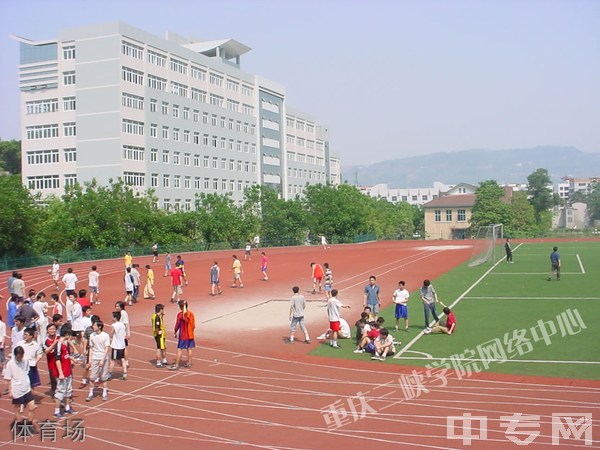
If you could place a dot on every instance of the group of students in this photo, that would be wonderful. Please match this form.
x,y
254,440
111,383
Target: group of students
x,y
65,346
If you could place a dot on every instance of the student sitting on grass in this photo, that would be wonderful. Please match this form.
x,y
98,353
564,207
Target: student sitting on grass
x,y
446,328
384,345
366,343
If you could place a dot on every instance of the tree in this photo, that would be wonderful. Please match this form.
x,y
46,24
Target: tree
x,y
19,217
522,221
283,222
593,201
540,196
489,207
10,156
219,219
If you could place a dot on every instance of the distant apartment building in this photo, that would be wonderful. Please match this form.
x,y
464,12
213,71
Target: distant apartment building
x,y
569,185
174,115
413,196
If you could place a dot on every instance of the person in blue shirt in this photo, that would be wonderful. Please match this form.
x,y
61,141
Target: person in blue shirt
x,y
555,264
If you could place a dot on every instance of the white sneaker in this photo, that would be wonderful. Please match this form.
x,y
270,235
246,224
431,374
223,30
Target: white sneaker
x,y
322,337
335,346
427,330
358,350
375,358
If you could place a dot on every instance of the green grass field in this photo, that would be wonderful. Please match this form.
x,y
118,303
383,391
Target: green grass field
x,y
502,304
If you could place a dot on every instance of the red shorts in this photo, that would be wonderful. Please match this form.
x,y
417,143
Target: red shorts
x,y
334,326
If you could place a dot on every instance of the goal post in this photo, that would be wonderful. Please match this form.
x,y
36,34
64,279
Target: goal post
x,y
487,244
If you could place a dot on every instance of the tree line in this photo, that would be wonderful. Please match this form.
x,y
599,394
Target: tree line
x,y
100,217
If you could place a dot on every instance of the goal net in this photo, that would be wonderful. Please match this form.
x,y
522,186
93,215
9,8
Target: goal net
x,y
487,243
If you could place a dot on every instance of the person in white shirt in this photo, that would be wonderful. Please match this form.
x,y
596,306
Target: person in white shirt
x,y
333,312
70,280
117,344
98,360
400,298
33,353
55,271
40,306
94,285
19,388
16,334
3,337
384,345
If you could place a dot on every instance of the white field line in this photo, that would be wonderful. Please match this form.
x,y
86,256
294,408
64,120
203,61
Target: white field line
x,y
531,298
422,358
580,263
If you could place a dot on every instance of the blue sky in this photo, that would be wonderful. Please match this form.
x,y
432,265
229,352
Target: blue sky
x,y
390,78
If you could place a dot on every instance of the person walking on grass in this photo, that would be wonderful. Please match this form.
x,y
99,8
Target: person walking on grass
x,y
554,264
333,313
297,306
185,325
430,298
371,296
215,277
237,272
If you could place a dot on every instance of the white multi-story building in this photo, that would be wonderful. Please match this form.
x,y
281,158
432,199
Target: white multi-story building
x,y
180,117
569,185
413,196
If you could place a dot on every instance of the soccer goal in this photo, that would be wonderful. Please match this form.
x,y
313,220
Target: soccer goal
x,y
487,243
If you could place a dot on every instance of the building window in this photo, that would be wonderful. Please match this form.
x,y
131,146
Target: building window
x,y
69,129
165,132
133,153
157,83
69,103
132,76
198,95
69,78
153,155
157,59
42,157
206,183
132,101
69,52
129,49
178,66
196,116
206,162
176,134
461,215
176,158
186,113
186,136
187,182
448,215
179,89
197,183
177,181
165,156
153,103
215,79
167,204
175,110
437,215
133,127
196,137
154,180
134,178
42,131
43,182
42,106
215,162
216,100
70,154
199,74
166,180
153,130
196,160
425,197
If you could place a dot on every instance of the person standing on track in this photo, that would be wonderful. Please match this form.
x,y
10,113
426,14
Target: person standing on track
x,y
215,278
297,306
167,264
176,280
317,276
55,271
70,280
430,298
333,313
264,261
98,359
149,288
185,325
237,272
155,252
94,285
160,336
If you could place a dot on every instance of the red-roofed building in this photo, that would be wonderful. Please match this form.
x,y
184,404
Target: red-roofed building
x,y
447,217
